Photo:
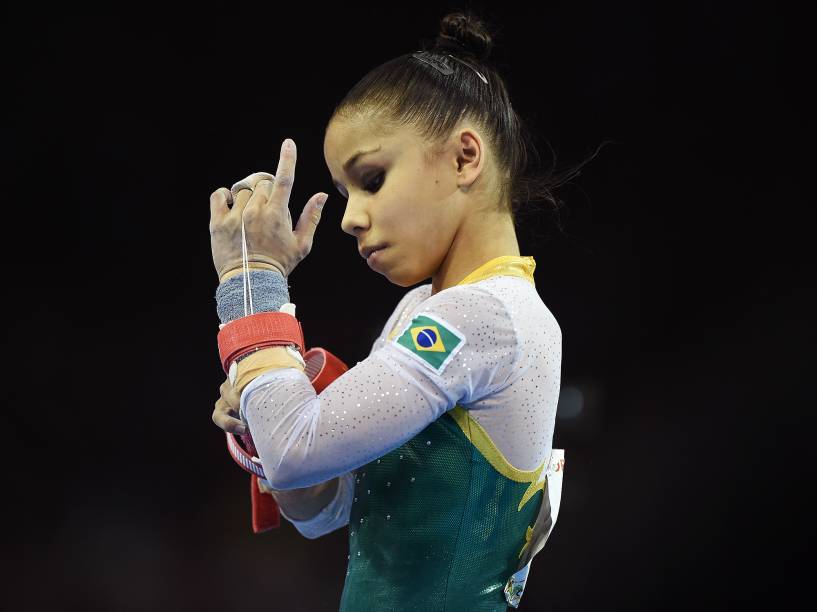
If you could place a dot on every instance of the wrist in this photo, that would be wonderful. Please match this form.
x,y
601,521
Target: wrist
x,y
269,292
256,265
261,361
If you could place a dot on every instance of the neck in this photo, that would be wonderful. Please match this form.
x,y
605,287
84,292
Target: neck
x,y
481,238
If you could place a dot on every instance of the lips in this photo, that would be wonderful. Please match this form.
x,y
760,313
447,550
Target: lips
x,y
371,249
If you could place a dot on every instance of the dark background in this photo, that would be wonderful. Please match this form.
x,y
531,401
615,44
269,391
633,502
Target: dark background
x,y
681,285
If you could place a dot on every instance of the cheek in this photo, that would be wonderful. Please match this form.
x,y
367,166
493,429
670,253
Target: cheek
x,y
429,238
420,218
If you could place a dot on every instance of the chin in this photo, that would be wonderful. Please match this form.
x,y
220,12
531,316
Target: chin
x,y
400,281
406,278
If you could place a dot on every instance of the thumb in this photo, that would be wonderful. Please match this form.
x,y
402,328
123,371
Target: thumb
x,y
309,219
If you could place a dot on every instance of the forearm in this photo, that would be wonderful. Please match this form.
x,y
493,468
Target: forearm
x,y
270,292
304,504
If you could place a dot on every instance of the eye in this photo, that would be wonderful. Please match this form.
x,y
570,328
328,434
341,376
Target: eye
x,y
375,184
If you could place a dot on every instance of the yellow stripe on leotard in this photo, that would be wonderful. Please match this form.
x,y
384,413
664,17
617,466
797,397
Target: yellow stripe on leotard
x,y
482,441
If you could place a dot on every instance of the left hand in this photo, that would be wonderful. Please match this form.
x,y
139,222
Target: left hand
x,y
264,206
226,414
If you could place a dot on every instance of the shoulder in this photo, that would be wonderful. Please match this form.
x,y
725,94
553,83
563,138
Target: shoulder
x,y
415,295
501,307
513,298
470,318
472,305
522,302
476,338
406,303
409,301
460,342
500,311
536,330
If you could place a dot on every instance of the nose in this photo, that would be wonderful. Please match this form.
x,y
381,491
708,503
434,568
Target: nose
x,y
355,217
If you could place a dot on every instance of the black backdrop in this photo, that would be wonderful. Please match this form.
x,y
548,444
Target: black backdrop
x,y
681,284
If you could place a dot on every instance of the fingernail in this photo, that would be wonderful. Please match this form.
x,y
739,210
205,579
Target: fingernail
x,y
289,144
322,201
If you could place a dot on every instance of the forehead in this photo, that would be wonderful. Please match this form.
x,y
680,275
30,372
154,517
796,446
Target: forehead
x,y
345,137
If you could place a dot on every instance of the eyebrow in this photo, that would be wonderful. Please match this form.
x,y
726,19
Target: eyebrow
x,y
353,160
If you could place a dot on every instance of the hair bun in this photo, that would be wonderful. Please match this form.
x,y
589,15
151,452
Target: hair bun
x,y
464,33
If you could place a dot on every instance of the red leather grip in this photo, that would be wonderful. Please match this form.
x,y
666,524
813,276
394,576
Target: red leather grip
x,y
322,367
259,330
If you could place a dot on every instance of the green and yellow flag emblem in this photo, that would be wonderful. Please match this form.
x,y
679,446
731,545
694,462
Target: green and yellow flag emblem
x,y
431,341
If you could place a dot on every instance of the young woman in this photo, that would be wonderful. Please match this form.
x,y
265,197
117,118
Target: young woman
x,y
436,450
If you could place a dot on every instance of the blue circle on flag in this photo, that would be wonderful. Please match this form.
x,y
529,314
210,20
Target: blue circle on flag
x,y
426,338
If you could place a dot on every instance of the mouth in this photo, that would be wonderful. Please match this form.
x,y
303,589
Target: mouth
x,y
365,253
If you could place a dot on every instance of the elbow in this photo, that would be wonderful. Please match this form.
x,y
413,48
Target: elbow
x,y
280,479
287,450
287,475
332,514
313,532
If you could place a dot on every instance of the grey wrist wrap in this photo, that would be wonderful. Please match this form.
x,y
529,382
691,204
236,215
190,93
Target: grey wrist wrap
x,y
270,291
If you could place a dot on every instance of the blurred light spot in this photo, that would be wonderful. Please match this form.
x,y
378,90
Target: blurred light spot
x,y
571,402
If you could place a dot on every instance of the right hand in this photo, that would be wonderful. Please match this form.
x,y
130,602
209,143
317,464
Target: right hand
x,y
226,412
264,221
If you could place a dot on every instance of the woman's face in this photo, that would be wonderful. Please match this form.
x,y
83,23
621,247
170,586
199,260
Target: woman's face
x,y
396,195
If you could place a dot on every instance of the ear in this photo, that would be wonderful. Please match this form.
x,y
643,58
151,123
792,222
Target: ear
x,y
470,156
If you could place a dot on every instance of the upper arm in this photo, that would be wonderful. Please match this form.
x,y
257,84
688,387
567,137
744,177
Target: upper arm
x,y
459,346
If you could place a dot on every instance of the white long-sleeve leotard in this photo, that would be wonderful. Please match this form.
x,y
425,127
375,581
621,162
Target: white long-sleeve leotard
x,y
505,371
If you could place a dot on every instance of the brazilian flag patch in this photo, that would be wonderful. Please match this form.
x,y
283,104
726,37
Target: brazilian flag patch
x,y
431,341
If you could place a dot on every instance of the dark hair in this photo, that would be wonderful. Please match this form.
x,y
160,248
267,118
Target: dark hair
x,y
411,92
